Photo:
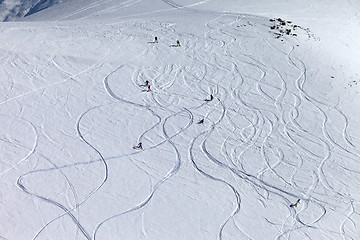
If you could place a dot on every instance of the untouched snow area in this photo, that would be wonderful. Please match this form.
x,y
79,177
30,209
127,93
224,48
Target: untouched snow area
x,y
283,124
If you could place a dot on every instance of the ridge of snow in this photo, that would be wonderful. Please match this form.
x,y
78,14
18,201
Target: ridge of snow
x,y
11,10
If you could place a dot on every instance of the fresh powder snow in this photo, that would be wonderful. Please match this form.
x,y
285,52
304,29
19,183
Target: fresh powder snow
x,y
247,112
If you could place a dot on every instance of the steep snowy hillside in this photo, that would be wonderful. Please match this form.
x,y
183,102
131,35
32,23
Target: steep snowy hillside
x,y
249,129
18,9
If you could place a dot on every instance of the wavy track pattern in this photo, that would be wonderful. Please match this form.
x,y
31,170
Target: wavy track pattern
x,y
255,141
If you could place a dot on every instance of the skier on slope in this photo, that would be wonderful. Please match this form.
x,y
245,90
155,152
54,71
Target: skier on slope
x,y
156,40
295,204
178,43
201,121
139,146
211,98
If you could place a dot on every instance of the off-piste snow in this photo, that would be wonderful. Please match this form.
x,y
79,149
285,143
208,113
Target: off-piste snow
x,y
183,119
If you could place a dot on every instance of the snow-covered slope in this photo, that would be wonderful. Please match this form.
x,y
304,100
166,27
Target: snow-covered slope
x,y
11,10
282,126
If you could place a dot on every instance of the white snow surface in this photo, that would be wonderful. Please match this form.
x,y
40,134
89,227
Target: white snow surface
x,y
283,124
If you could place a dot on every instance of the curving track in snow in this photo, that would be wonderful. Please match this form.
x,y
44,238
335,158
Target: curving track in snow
x,y
266,139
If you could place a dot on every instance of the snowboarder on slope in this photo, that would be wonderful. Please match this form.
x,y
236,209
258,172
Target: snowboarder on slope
x,y
149,89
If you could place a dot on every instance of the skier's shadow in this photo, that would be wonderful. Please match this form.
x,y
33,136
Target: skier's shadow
x,y
152,42
173,45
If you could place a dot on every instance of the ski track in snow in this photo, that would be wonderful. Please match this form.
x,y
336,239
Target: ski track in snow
x,y
19,183
31,152
267,120
88,7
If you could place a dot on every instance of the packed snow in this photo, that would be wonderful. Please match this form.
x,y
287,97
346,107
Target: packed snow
x,y
249,128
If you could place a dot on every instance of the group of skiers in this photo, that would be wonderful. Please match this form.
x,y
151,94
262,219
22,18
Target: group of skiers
x,y
147,84
139,146
177,42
